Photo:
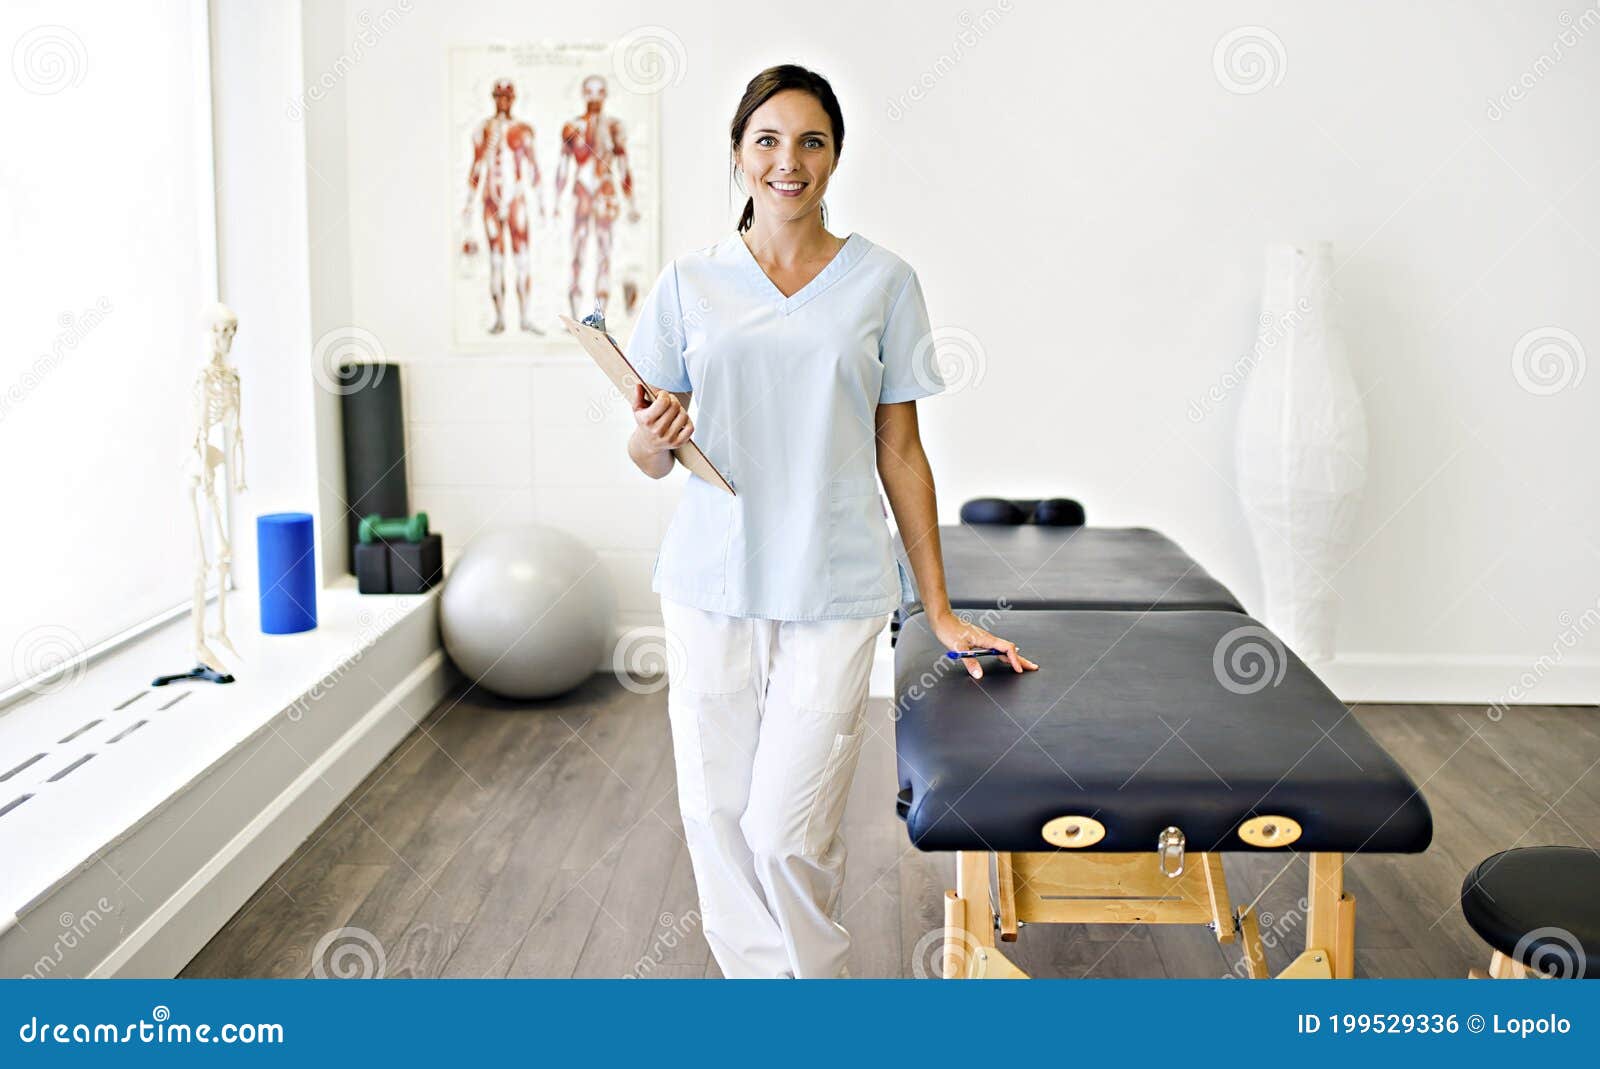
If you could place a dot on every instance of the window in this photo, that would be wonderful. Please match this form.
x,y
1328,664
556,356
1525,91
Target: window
x,y
107,268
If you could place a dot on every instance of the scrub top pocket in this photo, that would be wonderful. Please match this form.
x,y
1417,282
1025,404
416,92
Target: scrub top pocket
x,y
694,553
860,554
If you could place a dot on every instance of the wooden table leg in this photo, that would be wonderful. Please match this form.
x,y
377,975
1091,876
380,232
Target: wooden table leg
x,y
968,914
1006,885
1344,953
1505,967
953,964
1255,957
1331,915
972,884
1217,897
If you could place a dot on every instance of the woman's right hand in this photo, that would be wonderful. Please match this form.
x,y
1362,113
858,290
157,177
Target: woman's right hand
x,y
663,423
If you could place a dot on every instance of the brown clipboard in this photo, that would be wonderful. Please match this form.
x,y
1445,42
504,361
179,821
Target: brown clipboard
x,y
605,352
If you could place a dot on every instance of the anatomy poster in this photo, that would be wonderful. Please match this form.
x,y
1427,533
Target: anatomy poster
x,y
555,169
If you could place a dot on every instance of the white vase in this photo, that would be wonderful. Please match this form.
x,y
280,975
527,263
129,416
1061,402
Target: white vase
x,y
1302,448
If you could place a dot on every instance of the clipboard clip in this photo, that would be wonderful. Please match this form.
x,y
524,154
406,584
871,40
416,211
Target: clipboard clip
x,y
597,320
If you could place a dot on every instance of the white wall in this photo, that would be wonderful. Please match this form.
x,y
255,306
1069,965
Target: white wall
x,y
1079,191
262,265
328,254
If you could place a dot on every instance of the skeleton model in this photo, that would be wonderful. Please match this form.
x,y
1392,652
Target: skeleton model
x,y
503,171
216,407
591,146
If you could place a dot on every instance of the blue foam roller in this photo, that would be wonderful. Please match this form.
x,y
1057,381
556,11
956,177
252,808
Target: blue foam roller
x,y
288,569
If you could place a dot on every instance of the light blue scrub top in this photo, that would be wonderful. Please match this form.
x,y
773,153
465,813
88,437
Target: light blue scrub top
x,y
784,394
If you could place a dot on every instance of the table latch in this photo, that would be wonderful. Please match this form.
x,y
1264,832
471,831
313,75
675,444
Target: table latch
x,y
1169,852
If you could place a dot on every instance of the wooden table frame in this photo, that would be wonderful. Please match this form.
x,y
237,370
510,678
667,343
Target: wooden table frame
x,y
1505,967
1073,887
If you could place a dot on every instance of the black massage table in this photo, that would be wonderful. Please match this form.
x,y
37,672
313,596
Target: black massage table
x,y
1132,569
1105,786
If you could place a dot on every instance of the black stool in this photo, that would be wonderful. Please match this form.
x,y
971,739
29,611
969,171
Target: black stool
x,y
1538,910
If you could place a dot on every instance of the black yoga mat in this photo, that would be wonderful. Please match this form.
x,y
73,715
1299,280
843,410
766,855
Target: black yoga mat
x,y
374,446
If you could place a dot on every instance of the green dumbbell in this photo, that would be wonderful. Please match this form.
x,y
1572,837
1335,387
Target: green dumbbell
x,y
404,529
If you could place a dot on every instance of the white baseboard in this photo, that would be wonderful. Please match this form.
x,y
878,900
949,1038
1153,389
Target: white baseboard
x,y
1422,678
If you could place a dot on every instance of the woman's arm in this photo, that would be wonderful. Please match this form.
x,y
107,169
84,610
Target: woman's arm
x,y
903,467
663,425
908,480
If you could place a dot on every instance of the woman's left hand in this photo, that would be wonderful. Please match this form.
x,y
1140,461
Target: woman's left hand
x,y
957,634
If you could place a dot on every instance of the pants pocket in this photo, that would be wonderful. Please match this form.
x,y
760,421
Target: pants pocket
x,y
707,652
828,666
827,808
689,761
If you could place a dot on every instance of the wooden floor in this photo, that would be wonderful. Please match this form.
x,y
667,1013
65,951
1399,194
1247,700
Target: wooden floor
x,y
543,839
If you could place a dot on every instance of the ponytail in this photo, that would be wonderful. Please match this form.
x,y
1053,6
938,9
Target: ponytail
x,y
749,214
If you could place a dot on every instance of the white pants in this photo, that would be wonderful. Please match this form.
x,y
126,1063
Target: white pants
x,y
767,722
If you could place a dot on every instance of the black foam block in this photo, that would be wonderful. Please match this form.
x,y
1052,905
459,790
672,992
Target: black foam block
x,y
371,561
374,445
415,566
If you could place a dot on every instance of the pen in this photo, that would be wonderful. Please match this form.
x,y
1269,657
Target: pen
x,y
956,655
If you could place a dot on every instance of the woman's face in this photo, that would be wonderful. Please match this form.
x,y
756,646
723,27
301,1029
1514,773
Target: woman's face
x,y
788,155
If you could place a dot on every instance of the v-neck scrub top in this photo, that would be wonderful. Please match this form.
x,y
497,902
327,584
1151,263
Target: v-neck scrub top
x,y
785,390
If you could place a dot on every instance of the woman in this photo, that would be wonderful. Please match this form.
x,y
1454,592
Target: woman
x,y
807,353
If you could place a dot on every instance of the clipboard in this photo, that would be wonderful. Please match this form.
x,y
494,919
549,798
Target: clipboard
x,y
604,351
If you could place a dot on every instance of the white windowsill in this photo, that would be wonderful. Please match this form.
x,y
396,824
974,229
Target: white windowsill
x,y
68,825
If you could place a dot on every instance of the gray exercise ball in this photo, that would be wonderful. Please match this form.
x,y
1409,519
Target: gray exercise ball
x,y
527,611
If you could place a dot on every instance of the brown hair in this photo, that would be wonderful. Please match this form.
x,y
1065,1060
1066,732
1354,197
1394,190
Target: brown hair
x,y
764,87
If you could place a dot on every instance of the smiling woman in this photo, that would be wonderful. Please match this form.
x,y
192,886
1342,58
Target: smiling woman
x,y
805,357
